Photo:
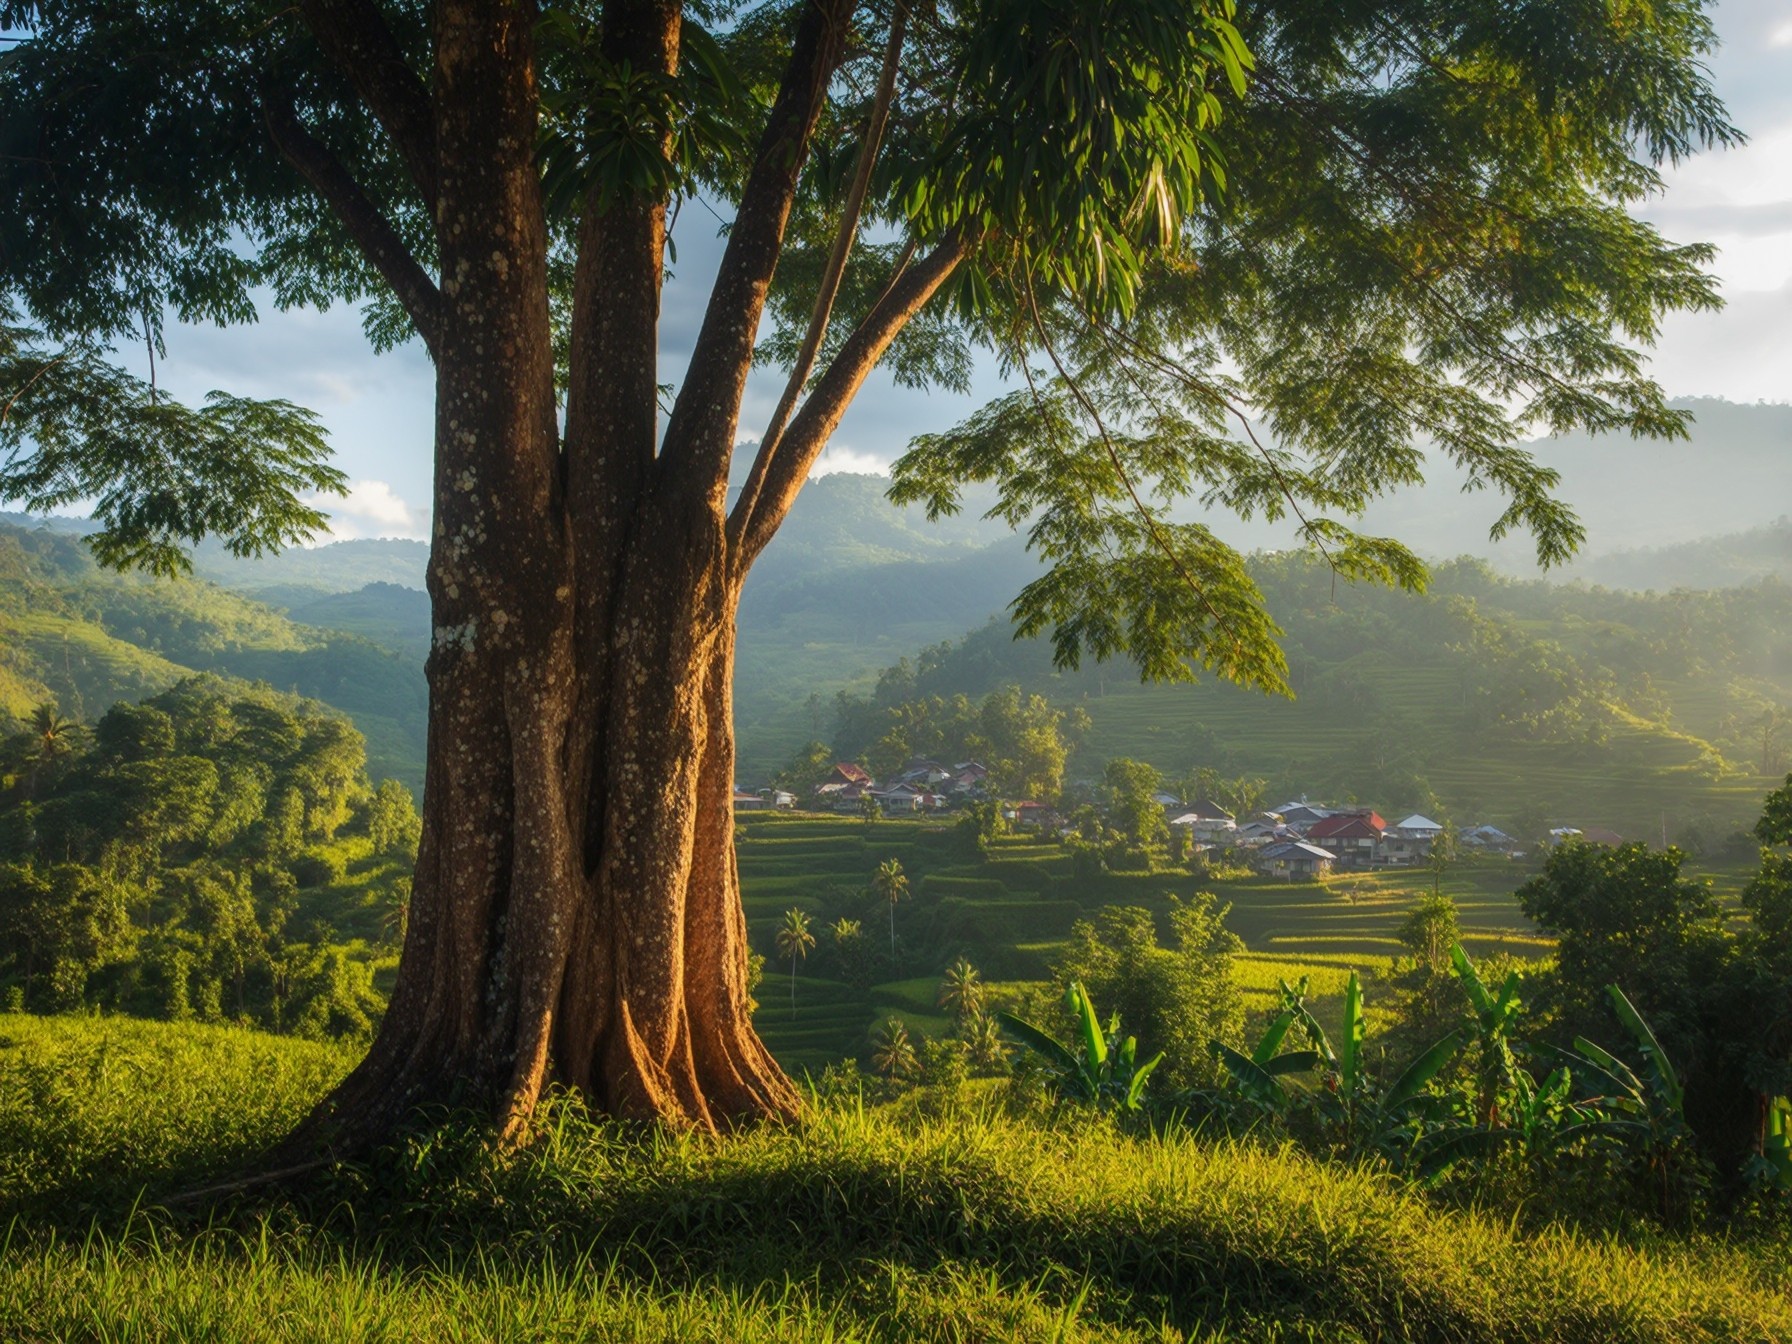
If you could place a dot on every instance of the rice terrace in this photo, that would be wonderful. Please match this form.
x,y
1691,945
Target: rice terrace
x,y
845,670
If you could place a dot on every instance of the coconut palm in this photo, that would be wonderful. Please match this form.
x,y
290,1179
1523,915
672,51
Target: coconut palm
x,y
891,884
794,940
961,992
53,733
892,1052
983,1043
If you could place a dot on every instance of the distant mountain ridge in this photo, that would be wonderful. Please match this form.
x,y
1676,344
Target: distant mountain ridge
x,y
853,584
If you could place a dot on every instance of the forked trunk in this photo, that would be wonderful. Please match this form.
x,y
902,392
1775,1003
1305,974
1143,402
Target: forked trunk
x,y
576,914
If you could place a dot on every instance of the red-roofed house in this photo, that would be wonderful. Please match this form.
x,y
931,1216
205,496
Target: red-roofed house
x,y
1351,836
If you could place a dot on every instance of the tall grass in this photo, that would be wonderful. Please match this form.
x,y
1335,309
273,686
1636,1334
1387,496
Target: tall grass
x,y
92,1110
854,1223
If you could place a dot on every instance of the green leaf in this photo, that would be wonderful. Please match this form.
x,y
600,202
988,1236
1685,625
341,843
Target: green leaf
x,y
1271,1040
1470,980
1251,1077
1422,1070
1350,1063
1095,1049
1040,1043
1665,1081
1295,1061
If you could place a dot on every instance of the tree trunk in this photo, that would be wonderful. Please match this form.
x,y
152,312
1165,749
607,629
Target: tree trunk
x,y
576,915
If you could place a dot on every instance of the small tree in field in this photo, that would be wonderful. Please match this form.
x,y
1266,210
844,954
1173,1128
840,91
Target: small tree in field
x,y
893,1051
961,991
891,884
1349,230
794,940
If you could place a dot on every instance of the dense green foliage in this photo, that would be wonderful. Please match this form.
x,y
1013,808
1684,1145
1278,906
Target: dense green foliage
x,y
87,639
202,854
1021,739
853,1223
1485,699
1714,987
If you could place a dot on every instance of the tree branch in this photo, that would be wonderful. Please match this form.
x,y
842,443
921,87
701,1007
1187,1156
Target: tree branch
x,y
354,35
371,230
700,431
835,271
750,527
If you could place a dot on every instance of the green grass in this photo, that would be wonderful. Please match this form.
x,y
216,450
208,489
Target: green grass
x,y
91,1109
877,1225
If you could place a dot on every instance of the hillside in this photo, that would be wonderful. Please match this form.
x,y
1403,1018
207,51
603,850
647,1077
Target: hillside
x,y
1486,699
88,639
1725,561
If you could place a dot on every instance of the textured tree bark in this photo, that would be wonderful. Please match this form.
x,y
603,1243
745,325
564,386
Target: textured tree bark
x,y
576,913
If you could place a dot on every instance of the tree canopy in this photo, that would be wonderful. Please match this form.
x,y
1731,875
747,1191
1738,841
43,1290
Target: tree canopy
x,y
1356,232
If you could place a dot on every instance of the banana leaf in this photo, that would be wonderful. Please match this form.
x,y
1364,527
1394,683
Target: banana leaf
x,y
1137,1090
1422,1070
1095,1046
1508,1000
1252,1078
1350,1064
1617,1085
1437,1157
1040,1043
1271,1040
1295,1061
1470,980
1665,1080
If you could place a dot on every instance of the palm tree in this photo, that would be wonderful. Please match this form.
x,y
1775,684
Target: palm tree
x,y
961,992
892,1053
53,732
891,884
982,1037
794,940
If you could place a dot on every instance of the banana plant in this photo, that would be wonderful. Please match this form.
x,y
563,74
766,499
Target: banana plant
x,y
1498,1072
1258,1075
1103,1069
1368,1120
1773,1168
1591,1095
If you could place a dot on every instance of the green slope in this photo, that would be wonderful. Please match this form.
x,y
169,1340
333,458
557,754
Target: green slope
x,y
88,639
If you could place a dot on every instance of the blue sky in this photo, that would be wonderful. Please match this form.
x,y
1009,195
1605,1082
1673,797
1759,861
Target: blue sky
x,y
378,407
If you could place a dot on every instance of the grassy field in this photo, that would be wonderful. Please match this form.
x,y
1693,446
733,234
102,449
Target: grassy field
x,y
882,1224
1009,913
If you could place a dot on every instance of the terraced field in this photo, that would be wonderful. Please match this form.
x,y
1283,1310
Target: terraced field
x,y
1011,911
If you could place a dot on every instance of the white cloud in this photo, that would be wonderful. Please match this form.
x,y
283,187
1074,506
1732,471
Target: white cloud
x,y
849,460
371,509
1781,36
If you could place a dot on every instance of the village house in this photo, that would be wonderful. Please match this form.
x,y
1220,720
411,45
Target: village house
x,y
1353,838
1256,833
1300,817
1295,859
1409,841
968,778
1489,837
1029,815
1207,821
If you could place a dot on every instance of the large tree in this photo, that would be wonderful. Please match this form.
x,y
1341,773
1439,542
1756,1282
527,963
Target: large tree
x,y
1402,227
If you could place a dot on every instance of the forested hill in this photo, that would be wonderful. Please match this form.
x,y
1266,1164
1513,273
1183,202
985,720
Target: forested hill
x,y
1486,698
84,639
